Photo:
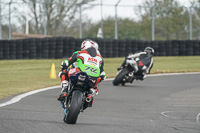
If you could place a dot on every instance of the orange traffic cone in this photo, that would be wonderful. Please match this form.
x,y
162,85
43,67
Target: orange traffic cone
x,y
53,72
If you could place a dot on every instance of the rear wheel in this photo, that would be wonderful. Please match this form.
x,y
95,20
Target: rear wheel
x,y
119,78
74,107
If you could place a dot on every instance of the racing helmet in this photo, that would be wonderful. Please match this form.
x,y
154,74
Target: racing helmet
x,y
149,50
89,43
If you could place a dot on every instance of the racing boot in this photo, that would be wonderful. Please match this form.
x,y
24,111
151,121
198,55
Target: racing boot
x,y
142,77
64,90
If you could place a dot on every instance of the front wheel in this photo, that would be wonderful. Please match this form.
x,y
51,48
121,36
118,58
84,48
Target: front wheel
x,y
74,107
119,78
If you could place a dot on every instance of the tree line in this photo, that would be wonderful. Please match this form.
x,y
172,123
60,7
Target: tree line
x,y
172,21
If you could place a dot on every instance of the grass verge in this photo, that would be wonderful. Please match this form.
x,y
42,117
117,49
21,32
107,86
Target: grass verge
x,y
19,76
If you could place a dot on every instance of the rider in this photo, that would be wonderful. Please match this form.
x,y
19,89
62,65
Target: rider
x,y
147,57
88,60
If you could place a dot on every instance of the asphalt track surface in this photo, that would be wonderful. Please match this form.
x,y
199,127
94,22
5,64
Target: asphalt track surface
x,y
160,104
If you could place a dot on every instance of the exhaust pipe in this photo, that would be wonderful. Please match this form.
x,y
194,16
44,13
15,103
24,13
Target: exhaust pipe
x,y
88,99
130,74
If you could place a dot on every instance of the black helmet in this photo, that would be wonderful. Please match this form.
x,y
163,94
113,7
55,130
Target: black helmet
x,y
149,50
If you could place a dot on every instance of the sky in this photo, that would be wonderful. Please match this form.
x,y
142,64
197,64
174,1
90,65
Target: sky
x,y
124,12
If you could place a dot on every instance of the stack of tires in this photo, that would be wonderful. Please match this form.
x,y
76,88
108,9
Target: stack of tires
x,y
189,47
52,47
45,48
66,47
168,48
63,47
6,49
196,48
109,48
122,48
19,49
12,49
116,48
128,47
38,48
1,50
182,48
78,44
72,46
103,48
134,45
175,48
32,48
141,45
162,48
26,50
59,48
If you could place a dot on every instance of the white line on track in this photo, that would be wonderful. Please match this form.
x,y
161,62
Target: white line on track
x,y
171,74
165,114
197,119
153,123
19,97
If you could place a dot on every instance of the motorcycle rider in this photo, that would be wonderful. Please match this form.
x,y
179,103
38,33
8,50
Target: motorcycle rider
x,y
95,45
88,60
147,57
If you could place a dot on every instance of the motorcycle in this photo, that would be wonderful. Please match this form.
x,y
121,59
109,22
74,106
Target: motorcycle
x,y
127,74
78,98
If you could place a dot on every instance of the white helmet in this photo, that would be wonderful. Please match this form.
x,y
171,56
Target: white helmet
x,y
89,43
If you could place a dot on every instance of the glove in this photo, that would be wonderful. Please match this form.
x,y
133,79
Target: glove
x,y
103,77
119,68
64,64
60,74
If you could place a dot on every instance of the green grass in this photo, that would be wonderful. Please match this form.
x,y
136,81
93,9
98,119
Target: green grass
x,y
18,76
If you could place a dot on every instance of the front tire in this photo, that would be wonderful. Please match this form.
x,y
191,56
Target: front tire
x,y
74,109
119,78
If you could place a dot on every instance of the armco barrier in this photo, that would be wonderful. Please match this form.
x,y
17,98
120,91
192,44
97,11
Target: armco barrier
x,y
63,47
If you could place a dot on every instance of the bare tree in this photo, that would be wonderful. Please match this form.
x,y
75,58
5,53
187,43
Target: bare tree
x,y
55,15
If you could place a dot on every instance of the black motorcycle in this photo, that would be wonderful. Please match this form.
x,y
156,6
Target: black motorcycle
x,y
78,98
127,74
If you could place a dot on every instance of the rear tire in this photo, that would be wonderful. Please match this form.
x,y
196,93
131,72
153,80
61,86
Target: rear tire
x,y
74,109
119,78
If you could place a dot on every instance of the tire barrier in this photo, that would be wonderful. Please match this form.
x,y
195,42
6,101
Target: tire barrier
x,y
52,48
175,48
122,48
32,48
196,48
115,48
38,48
63,47
1,50
59,48
168,46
